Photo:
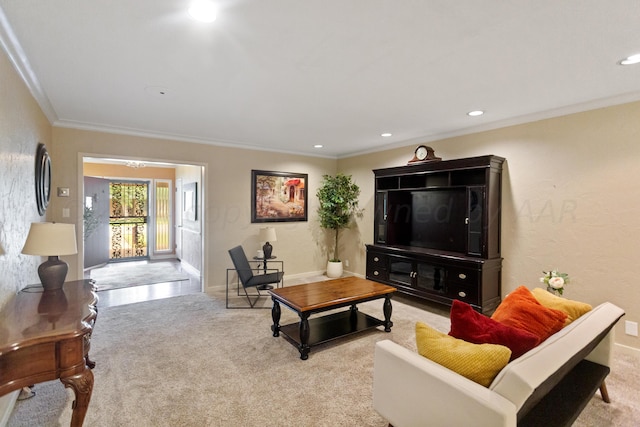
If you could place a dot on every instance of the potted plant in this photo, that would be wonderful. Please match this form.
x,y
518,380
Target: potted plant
x,y
338,196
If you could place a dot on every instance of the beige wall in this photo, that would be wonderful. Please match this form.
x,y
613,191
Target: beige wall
x,y
120,171
571,200
22,127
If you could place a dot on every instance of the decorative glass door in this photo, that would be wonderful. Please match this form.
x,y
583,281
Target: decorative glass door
x,y
128,218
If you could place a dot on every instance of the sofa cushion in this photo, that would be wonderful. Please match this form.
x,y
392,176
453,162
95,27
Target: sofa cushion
x,y
478,362
469,325
573,309
520,309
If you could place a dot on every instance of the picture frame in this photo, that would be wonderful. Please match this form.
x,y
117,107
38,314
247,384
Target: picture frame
x,y
190,201
278,196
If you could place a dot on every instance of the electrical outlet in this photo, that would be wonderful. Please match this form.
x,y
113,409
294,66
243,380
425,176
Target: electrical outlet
x,y
631,328
346,263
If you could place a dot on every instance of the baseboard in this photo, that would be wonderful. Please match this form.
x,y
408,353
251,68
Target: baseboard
x,y
625,349
189,268
6,406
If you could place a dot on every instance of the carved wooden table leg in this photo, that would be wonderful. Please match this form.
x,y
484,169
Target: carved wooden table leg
x,y
275,315
82,385
386,308
304,336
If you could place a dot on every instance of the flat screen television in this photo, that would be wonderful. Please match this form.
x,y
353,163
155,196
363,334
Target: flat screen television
x,y
438,219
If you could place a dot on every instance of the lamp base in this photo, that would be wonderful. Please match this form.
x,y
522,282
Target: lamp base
x,y
267,249
52,273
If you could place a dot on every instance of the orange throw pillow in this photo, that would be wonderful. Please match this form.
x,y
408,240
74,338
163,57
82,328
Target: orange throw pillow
x,y
520,309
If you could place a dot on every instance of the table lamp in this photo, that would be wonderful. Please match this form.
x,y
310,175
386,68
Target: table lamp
x,y
266,235
51,239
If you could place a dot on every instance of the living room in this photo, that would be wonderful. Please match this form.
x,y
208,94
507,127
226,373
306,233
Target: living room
x,y
569,197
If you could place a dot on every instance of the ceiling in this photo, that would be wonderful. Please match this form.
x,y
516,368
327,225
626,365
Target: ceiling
x,y
283,75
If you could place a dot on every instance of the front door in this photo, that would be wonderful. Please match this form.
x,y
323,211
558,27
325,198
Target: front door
x,y
128,219
96,221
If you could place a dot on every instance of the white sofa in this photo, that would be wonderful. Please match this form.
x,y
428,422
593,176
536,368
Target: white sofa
x,y
411,390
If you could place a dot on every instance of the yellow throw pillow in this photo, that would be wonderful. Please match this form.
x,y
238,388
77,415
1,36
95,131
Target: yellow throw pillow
x,y
574,309
477,362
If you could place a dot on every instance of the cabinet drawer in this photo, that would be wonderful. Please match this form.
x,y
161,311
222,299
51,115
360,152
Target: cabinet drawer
x,y
376,262
468,294
463,275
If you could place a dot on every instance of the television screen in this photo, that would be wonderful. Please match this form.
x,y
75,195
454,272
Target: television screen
x,y
438,219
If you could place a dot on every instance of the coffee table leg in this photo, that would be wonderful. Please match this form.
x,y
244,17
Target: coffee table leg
x,y
386,308
304,336
275,315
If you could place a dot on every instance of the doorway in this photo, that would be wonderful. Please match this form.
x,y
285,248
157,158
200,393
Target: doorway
x,y
144,217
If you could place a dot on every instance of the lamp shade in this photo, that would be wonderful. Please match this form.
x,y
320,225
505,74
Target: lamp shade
x,y
267,234
51,239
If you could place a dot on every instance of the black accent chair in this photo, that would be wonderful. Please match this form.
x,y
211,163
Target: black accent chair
x,y
247,279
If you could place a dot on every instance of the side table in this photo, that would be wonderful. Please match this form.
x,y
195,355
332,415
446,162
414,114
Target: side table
x,y
262,262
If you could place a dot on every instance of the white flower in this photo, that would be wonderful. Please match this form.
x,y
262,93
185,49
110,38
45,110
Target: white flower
x,y
556,282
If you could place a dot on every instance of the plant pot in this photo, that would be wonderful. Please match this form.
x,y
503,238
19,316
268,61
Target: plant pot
x,y
334,269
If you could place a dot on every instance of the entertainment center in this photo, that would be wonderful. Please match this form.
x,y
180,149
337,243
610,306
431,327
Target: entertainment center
x,y
437,230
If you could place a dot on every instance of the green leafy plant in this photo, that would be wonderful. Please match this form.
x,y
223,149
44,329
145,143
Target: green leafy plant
x,y
338,196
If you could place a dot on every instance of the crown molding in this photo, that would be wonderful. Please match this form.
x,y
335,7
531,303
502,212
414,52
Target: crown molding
x,y
19,60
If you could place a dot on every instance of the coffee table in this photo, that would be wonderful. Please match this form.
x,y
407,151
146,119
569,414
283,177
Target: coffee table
x,y
317,297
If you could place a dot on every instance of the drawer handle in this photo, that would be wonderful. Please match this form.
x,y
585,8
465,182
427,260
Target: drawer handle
x,y
376,259
462,276
375,273
462,294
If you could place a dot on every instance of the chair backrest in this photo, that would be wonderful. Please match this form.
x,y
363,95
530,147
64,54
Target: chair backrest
x,y
241,264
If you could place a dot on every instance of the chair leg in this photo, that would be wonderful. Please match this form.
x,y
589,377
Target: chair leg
x,y
246,294
252,303
604,393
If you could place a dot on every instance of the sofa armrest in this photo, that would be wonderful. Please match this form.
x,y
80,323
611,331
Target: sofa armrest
x,y
411,390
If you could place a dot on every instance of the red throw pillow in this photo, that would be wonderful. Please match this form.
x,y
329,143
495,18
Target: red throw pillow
x,y
471,326
520,309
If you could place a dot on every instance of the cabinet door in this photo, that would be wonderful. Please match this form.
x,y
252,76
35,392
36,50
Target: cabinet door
x,y
430,278
475,220
381,217
400,271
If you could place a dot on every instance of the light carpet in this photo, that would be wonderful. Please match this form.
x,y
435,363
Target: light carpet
x,y
186,361
124,275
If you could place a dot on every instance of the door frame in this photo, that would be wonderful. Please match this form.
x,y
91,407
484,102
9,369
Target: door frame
x,y
202,213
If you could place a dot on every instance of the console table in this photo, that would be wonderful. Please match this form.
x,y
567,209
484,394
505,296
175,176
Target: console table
x,y
45,336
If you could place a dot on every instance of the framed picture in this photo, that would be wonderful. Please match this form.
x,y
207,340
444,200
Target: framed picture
x,y
190,201
278,196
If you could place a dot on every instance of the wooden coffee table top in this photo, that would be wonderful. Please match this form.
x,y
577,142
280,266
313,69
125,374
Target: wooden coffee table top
x,y
329,293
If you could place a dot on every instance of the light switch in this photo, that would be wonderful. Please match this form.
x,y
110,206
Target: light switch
x,y
63,191
65,213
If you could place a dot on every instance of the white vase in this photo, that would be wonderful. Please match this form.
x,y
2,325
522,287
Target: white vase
x,y
334,269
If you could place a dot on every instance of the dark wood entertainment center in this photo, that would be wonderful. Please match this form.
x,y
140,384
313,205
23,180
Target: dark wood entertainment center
x,y
437,230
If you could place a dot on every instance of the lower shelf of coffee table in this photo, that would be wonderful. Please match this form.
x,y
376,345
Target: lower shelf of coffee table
x,y
332,326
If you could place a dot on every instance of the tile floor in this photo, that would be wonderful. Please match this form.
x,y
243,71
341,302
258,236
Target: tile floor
x,y
149,292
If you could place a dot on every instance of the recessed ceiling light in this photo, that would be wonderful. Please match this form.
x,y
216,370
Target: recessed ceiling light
x,y
385,135
318,146
475,113
630,60
203,11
